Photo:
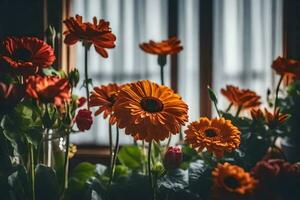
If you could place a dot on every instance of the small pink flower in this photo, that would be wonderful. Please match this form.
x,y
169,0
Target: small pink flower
x,y
173,158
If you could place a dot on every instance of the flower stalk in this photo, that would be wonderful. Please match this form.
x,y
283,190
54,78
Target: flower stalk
x,y
114,161
277,93
86,75
150,172
66,170
32,173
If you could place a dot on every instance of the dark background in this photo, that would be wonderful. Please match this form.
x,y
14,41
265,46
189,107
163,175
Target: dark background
x,y
30,17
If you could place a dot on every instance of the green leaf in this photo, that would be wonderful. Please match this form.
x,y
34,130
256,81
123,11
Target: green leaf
x,y
19,183
131,157
84,171
46,185
212,95
199,178
174,181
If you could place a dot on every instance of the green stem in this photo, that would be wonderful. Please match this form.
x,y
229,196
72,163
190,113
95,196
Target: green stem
x,y
277,92
229,107
217,109
149,169
113,166
180,134
169,140
110,144
162,75
144,154
238,111
66,172
86,81
32,173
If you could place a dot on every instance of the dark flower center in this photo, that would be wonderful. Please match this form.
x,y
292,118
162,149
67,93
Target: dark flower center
x,y
112,99
22,55
210,132
231,182
151,104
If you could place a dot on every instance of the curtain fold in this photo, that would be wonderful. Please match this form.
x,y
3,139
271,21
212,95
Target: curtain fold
x,y
133,22
247,38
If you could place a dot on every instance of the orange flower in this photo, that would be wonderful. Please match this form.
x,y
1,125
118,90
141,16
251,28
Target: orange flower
x,y
48,89
275,119
149,111
25,55
257,114
231,182
165,47
97,33
216,135
105,97
289,67
241,97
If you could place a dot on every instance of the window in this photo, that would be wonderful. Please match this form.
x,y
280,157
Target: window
x,y
246,37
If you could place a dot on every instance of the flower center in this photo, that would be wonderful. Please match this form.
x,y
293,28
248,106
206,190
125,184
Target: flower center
x,y
22,55
210,132
231,182
112,99
151,104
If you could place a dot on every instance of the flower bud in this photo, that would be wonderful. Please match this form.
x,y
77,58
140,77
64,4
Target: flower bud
x,y
173,158
74,77
84,119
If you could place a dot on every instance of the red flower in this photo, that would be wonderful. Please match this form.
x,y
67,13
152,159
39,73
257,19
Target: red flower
x,y
10,95
278,179
284,66
97,33
25,55
48,89
84,119
165,47
243,98
173,158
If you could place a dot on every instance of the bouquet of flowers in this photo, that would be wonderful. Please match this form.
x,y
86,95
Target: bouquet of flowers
x,y
231,156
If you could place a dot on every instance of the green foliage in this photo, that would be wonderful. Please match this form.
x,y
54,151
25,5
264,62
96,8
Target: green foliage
x,y
255,141
46,185
291,105
132,157
19,184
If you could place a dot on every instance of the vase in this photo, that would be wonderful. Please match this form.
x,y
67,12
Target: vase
x,y
53,149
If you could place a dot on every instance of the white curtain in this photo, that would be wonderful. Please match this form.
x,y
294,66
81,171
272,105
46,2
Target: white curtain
x,y
247,37
133,22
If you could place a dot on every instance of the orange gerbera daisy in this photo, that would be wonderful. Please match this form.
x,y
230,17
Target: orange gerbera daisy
x,y
25,55
48,89
105,96
149,111
165,47
257,114
289,67
97,33
216,135
241,97
231,182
